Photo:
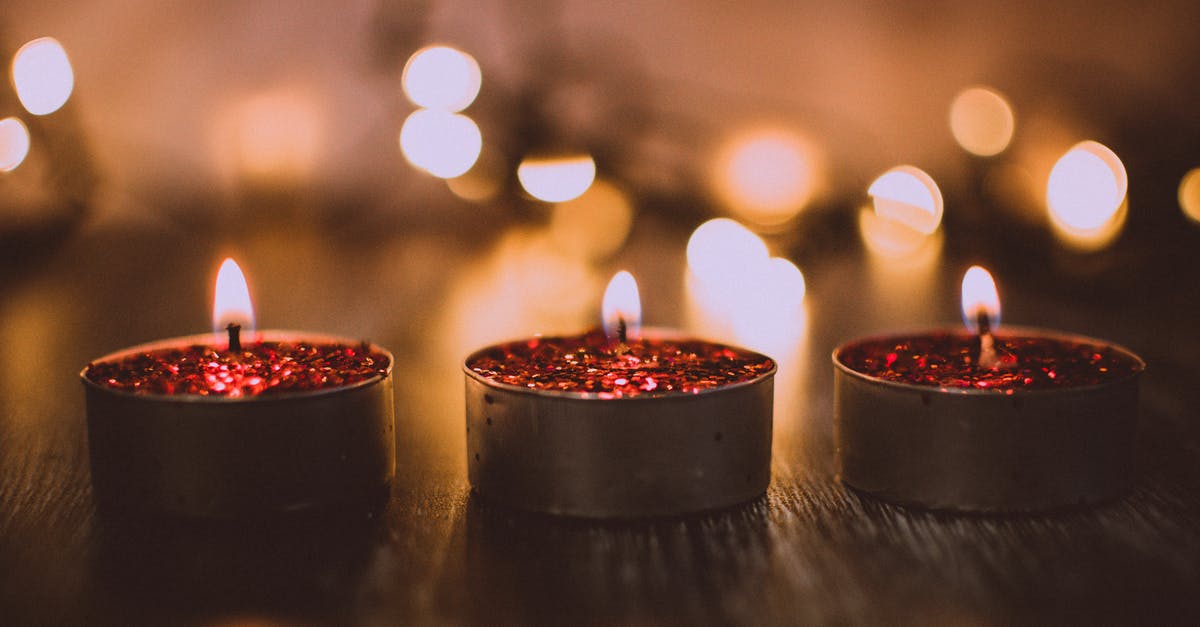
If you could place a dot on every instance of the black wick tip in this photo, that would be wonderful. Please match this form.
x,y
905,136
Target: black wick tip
x,y
235,337
985,324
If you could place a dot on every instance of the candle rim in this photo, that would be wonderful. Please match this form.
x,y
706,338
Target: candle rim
x,y
647,333
269,335
1003,332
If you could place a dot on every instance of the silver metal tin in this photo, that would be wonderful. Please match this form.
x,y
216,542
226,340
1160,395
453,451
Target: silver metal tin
x,y
977,450
577,455
221,457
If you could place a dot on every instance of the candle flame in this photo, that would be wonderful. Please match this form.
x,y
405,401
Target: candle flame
x,y
231,301
979,297
622,306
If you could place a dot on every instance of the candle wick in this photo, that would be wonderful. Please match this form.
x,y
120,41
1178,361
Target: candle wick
x,y
622,337
986,356
985,323
987,352
235,337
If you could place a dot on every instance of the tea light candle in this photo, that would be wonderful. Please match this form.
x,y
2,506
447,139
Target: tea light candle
x,y
278,421
614,424
986,420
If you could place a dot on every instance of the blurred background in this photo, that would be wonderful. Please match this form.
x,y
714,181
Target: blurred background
x,y
435,175
565,131
452,173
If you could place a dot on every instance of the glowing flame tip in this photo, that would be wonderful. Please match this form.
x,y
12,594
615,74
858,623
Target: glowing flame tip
x,y
980,298
622,307
231,301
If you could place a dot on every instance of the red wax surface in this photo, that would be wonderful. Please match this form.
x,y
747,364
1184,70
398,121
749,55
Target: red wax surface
x,y
948,360
260,369
590,364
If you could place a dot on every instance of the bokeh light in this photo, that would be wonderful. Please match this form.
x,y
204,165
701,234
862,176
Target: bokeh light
x,y
593,226
443,144
522,286
1189,194
766,177
788,287
1091,240
277,136
893,240
14,143
557,179
981,121
771,316
908,195
443,78
737,292
42,76
721,250
722,257
1085,196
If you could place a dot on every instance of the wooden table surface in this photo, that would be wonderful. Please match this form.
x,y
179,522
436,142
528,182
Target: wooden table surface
x,y
810,552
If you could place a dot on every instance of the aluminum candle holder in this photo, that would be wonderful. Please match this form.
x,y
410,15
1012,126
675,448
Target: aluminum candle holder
x,y
213,456
987,450
576,454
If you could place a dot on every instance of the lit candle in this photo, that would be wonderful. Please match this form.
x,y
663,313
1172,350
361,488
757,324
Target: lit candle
x,y
619,423
239,422
990,419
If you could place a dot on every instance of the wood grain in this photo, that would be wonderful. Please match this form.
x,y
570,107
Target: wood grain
x,y
809,552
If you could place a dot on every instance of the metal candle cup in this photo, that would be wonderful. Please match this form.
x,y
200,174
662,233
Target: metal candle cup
x,y
986,450
578,454
222,457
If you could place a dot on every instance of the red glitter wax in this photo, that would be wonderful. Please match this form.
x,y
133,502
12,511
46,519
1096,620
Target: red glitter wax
x,y
590,364
948,360
261,369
